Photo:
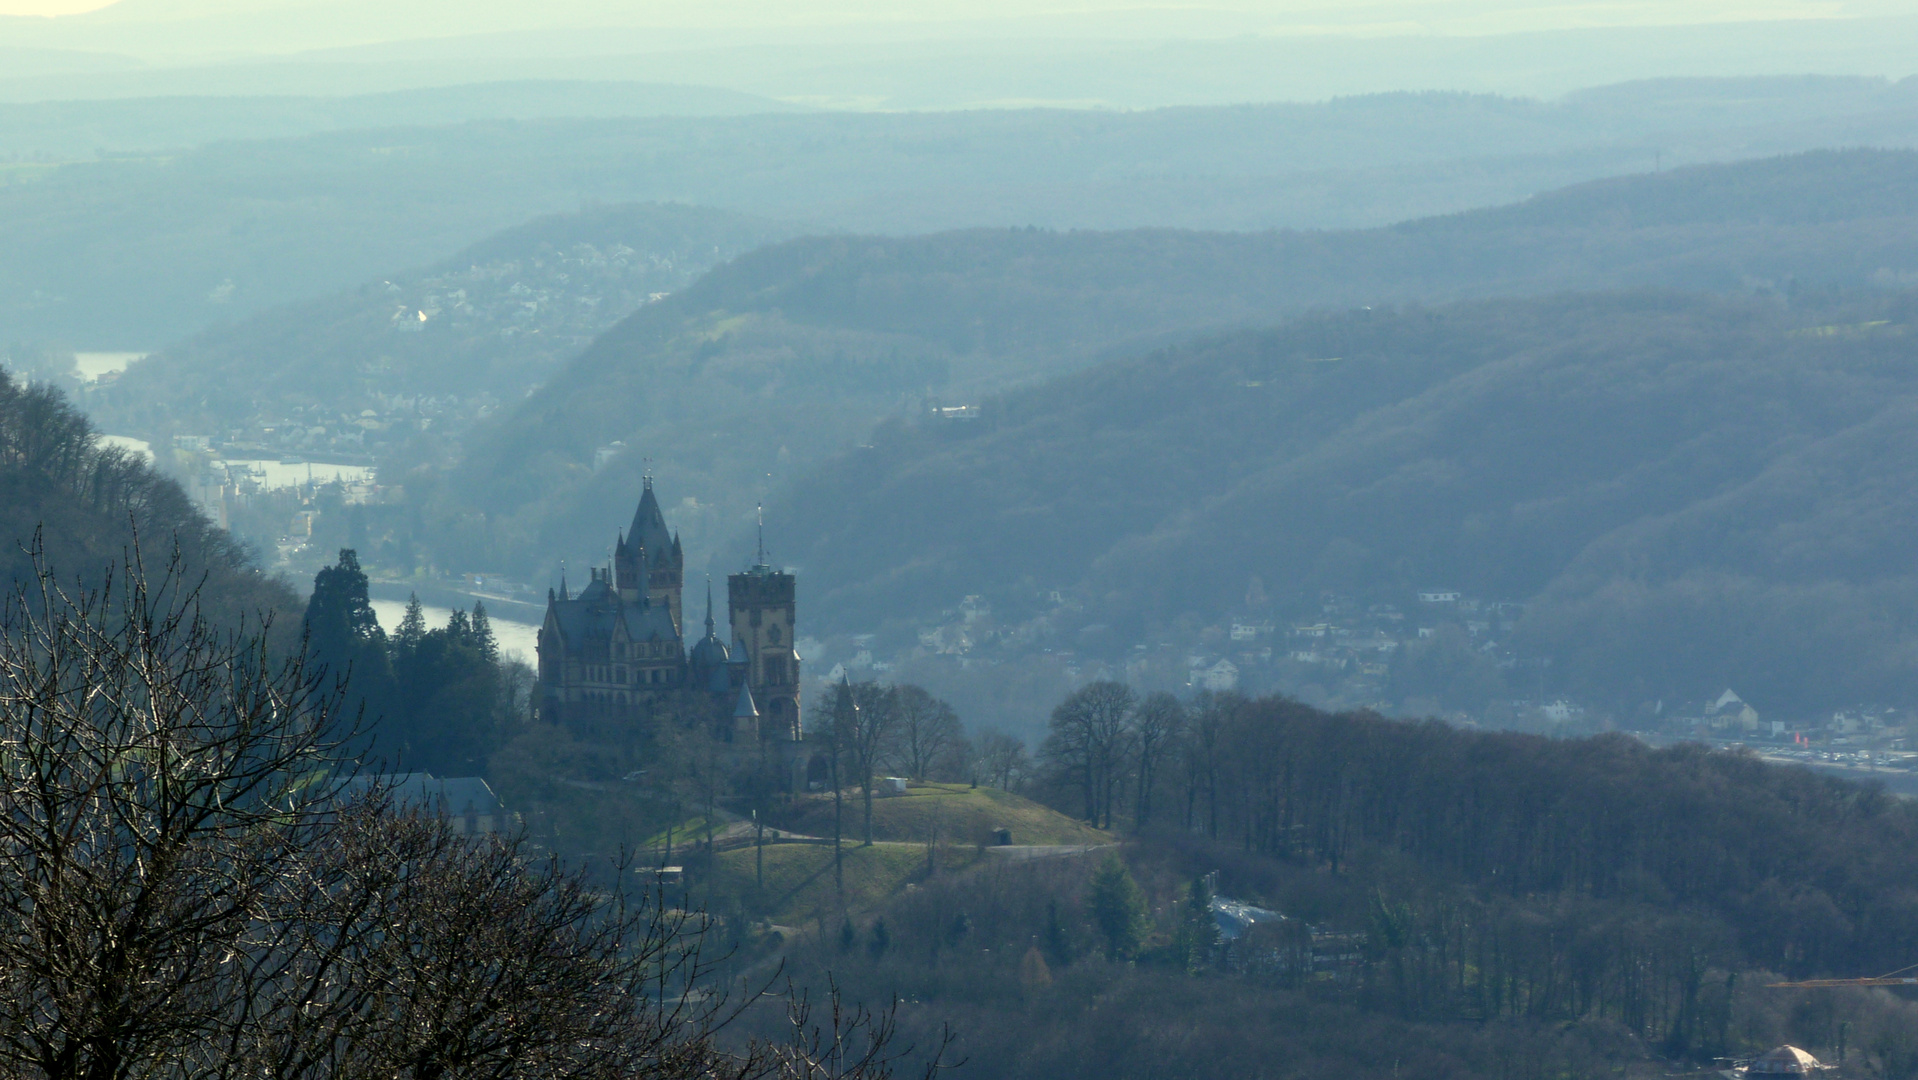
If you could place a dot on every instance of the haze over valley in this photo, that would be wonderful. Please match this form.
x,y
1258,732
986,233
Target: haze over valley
x,y
1264,539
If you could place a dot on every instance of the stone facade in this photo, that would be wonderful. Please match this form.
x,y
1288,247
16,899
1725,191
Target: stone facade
x,y
613,654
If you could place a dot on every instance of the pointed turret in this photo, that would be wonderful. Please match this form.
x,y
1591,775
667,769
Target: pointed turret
x,y
744,711
709,657
649,524
651,564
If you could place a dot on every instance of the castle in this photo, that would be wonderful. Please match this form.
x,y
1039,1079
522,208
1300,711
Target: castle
x,y
611,655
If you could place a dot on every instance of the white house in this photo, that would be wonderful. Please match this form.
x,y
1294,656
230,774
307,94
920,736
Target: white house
x,y
1731,709
1220,677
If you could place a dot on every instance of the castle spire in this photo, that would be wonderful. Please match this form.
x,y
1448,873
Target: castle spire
x,y
648,528
760,560
709,605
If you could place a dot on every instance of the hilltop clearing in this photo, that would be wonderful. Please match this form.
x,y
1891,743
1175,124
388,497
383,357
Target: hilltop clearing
x,y
944,813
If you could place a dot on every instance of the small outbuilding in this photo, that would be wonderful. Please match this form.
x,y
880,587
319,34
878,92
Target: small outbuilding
x,y
1784,1061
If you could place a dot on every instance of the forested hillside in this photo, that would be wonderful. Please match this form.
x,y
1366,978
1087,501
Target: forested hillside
x,y
750,377
85,503
1472,904
1688,492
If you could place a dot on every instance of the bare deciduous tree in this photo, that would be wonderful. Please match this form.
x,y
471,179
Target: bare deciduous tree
x,y
868,738
1001,759
1089,741
1156,727
159,776
927,731
193,883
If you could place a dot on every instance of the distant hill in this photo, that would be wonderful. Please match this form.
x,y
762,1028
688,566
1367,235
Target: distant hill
x,y
85,129
751,378
1687,492
131,252
963,55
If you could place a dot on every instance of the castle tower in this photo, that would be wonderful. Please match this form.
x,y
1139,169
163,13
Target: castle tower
x,y
648,559
761,601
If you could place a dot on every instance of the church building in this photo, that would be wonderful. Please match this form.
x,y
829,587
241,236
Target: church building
x,y
611,655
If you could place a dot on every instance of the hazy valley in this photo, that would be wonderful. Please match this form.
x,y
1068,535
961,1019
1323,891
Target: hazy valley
x,y
1150,572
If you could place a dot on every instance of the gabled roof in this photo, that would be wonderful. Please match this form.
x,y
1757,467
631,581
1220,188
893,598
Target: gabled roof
x,y
598,611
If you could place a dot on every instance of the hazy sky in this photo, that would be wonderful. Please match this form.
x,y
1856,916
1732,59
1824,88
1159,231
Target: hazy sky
x,y
1381,16
46,7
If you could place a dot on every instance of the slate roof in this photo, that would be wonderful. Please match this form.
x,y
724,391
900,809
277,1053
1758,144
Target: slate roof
x,y
454,796
597,610
649,526
1234,918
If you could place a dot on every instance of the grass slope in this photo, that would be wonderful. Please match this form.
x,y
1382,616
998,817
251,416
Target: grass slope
x,y
954,813
799,887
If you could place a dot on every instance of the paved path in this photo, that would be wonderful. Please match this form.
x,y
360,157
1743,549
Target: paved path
x,y
1029,852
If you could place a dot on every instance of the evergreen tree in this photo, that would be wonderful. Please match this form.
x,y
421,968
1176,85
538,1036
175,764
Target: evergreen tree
x,y
483,634
1117,908
344,636
412,628
1058,941
451,702
1198,930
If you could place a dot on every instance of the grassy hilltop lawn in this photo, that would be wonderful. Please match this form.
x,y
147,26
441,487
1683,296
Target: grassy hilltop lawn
x,y
958,821
956,813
